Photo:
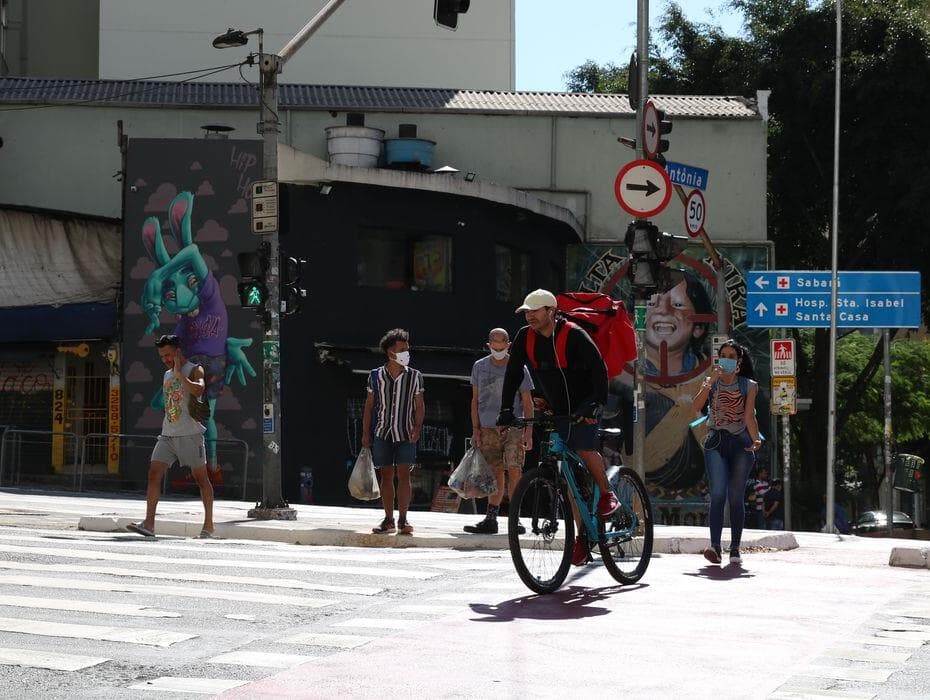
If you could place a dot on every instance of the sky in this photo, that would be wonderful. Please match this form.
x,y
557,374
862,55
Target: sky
x,y
554,36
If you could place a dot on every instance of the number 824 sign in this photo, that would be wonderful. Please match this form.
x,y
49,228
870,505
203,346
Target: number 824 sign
x,y
695,213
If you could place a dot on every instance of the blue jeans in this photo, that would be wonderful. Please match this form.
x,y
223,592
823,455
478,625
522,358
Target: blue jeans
x,y
728,465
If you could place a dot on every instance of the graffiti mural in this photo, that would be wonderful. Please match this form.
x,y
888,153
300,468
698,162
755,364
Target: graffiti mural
x,y
186,220
679,327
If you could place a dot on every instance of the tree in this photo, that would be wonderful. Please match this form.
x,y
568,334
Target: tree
x,y
788,46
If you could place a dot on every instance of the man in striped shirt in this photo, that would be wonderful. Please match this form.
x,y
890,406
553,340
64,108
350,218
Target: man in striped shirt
x,y
395,401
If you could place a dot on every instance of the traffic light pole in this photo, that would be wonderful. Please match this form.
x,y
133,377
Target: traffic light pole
x,y
639,384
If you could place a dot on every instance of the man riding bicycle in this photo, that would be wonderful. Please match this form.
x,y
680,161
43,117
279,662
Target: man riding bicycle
x,y
568,369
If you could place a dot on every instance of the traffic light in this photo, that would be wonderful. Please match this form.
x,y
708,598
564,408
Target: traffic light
x,y
649,250
446,12
665,127
253,267
291,292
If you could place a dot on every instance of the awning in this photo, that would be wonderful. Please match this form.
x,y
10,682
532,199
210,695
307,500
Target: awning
x,y
22,324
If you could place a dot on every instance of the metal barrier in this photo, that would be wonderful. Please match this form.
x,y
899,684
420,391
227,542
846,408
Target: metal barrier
x,y
15,435
246,453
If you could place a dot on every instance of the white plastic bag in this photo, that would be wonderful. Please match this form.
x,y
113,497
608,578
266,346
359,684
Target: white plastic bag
x,y
473,477
363,482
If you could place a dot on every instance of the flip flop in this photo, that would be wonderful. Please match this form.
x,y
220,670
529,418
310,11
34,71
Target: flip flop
x,y
205,535
140,529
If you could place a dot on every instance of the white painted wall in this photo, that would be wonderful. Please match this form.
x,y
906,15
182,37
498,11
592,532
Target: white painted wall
x,y
64,158
366,42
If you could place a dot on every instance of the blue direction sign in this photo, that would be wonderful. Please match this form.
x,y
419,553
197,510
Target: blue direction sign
x,y
801,299
687,175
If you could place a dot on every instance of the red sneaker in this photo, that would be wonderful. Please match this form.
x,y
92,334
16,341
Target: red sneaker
x,y
607,504
579,552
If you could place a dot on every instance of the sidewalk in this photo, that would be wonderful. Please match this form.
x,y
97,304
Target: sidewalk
x,y
351,527
318,525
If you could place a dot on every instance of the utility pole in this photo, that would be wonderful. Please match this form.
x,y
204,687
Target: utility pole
x,y
889,475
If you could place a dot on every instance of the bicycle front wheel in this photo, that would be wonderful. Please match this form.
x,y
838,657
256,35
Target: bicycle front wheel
x,y
625,537
543,555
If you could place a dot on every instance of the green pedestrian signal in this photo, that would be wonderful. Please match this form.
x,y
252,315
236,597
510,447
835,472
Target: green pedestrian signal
x,y
252,294
253,267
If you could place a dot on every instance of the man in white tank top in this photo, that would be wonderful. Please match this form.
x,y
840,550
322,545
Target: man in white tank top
x,y
181,438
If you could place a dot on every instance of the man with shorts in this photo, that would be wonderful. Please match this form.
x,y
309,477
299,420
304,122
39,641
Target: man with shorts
x,y
502,449
568,369
181,438
395,400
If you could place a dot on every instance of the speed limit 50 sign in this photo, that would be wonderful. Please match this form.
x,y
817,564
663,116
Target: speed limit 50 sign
x,y
695,213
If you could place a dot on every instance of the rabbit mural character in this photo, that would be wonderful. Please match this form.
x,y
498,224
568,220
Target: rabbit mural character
x,y
185,287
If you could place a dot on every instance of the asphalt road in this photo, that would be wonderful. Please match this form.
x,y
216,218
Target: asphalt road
x,y
86,615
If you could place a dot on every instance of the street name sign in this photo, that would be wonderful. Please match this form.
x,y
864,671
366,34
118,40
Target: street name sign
x,y
687,175
695,213
801,299
783,358
642,188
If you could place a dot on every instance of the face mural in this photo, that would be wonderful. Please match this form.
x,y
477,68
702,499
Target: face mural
x,y
186,220
679,327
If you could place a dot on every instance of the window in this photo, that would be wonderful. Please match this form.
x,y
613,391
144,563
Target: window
x,y
513,273
393,259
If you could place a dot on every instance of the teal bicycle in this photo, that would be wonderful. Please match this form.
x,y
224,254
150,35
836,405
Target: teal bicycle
x,y
542,556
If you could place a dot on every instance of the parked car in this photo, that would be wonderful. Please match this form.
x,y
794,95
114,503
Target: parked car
x,y
877,521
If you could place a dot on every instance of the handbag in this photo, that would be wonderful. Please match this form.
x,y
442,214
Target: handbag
x,y
363,482
198,409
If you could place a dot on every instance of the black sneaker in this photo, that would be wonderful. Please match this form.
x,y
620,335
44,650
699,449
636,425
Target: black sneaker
x,y
385,528
735,558
712,554
485,527
520,529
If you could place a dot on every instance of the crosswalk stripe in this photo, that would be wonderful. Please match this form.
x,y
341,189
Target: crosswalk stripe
x,y
316,639
127,635
190,576
199,593
32,658
425,608
92,606
271,549
843,673
818,694
897,626
903,634
381,623
204,686
887,642
881,656
263,659
473,597
220,563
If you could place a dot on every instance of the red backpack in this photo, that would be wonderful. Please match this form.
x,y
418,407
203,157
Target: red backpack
x,y
604,319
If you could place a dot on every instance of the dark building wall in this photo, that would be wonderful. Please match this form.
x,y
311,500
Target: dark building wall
x,y
448,329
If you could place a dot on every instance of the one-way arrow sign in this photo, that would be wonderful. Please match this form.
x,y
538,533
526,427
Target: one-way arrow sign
x,y
643,188
649,188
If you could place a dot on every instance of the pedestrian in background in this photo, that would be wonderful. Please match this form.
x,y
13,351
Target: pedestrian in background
x,y
729,393
775,507
503,450
181,438
391,425
760,487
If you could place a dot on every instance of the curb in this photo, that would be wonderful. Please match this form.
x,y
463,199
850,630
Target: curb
x,y
910,558
279,531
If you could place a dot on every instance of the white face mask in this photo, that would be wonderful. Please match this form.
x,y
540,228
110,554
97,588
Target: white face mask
x,y
498,354
402,358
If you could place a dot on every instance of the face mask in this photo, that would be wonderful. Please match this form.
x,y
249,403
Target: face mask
x,y
402,358
498,354
728,364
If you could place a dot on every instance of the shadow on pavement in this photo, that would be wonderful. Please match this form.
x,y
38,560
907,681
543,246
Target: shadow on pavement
x,y
721,573
569,603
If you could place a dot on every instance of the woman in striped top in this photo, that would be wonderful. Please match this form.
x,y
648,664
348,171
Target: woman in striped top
x,y
731,443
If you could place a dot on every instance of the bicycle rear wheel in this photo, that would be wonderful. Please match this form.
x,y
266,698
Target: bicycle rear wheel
x,y
543,555
626,536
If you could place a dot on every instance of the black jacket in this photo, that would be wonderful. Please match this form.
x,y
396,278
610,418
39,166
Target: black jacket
x,y
569,391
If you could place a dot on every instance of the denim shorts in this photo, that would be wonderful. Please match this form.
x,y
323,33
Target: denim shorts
x,y
390,453
581,436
